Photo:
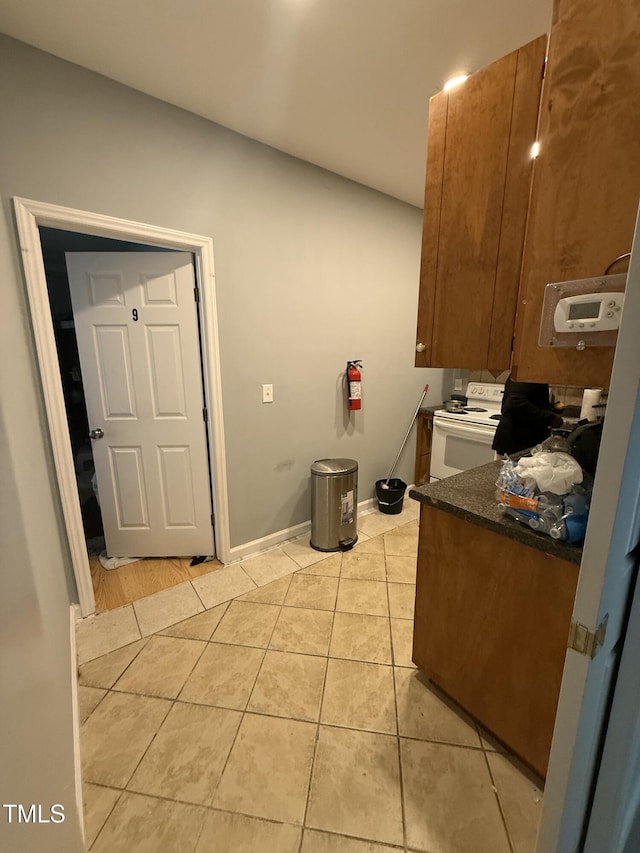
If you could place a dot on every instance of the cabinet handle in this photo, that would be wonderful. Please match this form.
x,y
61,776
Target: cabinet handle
x,y
420,347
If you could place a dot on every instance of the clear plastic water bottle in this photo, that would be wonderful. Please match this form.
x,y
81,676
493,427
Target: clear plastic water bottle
x,y
558,530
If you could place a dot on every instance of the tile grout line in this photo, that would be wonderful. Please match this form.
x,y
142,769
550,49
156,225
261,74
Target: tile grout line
x,y
268,645
317,737
198,596
135,616
395,702
162,631
111,811
213,641
164,719
144,641
117,648
273,716
261,818
100,701
217,810
243,712
496,794
160,698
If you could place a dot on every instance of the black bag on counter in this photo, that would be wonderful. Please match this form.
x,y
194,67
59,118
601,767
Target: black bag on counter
x,y
585,445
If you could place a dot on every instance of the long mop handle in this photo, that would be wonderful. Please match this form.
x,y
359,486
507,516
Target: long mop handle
x,y
415,415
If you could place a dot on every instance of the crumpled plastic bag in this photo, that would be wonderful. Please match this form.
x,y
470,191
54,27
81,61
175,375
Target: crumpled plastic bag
x,y
115,562
550,472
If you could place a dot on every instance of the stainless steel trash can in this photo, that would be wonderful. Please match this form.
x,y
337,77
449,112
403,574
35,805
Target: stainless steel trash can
x,y
334,504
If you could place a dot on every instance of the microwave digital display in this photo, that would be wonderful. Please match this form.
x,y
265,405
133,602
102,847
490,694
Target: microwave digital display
x,y
584,310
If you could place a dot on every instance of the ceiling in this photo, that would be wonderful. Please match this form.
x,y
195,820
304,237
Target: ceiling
x,y
344,84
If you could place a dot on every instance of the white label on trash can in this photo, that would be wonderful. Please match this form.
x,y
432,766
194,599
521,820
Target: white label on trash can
x,y
346,508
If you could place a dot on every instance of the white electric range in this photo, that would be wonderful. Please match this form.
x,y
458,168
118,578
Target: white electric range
x,y
462,440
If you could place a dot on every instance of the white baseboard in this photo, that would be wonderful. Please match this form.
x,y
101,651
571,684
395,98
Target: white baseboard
x,y
74,616
273,540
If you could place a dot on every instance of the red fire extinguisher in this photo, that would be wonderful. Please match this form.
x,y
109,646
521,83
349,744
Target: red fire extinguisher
x,y
354,385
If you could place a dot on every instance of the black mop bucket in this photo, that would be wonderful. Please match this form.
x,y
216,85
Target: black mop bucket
x,y
390,494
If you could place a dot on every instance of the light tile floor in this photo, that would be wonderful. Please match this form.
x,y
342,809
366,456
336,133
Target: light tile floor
x,y
283,713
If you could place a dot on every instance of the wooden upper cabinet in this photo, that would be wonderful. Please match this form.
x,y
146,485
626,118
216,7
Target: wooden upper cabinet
x,y
586,181
476,195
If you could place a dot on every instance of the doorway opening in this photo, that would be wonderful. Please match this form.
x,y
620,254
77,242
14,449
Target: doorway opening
x,y
84,231
116,580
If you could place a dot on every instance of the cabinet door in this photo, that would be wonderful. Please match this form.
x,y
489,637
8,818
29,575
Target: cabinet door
x,y
586,182
476,196
491,628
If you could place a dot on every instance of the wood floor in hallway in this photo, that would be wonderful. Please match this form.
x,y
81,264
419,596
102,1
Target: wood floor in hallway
x,y
117,587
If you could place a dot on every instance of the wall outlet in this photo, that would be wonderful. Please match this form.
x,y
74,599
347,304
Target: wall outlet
x,y
457,385
267,393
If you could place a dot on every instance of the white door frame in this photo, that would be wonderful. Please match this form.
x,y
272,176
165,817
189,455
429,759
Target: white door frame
x,y
30,215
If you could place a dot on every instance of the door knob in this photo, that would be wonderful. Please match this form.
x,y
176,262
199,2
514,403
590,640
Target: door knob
x,y
420,347
96,433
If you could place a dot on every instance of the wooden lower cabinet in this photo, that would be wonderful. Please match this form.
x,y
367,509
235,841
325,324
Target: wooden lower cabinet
x,y
491,625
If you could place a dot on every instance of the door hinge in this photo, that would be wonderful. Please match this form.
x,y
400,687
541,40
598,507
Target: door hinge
x,y
196,294
584,641
205,415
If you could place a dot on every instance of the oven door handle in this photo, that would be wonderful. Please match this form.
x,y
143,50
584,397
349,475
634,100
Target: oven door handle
x,y
473,432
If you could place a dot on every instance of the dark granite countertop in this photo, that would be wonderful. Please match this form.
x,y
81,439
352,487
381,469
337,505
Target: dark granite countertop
x,y
429,410
472,496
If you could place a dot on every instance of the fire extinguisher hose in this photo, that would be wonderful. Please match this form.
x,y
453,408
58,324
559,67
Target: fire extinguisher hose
x,y
385,485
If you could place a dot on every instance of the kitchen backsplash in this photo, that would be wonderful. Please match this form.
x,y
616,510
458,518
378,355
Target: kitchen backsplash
x,y
570,395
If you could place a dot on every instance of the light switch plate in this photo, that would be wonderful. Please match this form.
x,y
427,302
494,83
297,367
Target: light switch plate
x,y
267,393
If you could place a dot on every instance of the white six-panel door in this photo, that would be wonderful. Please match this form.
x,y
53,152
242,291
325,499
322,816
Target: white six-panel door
x,y
136,324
